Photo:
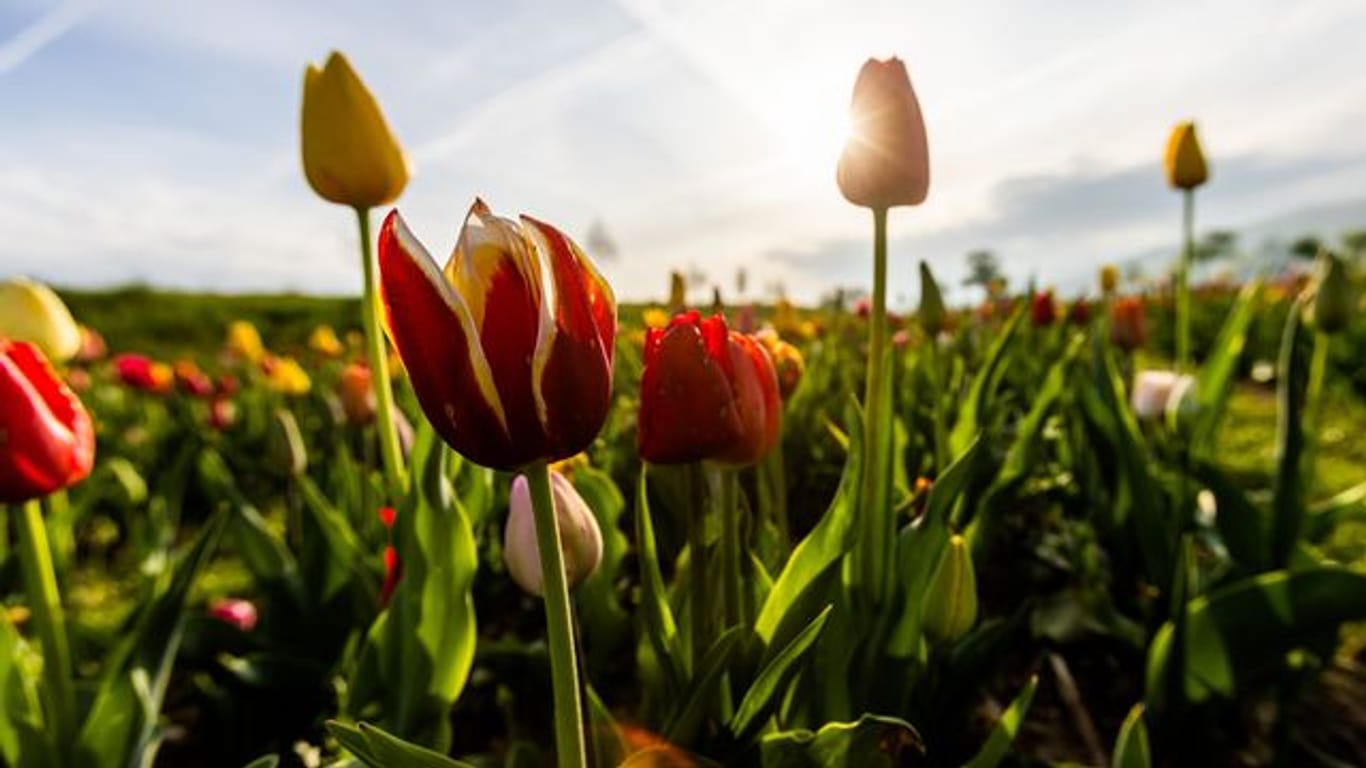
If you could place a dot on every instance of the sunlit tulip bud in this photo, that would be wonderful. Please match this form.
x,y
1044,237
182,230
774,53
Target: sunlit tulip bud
x,y
1157,392
931,311
788,362
580,538
191,380
32,312
222,414
1332,307
287,452
393,574
1109,279
1043,310
706,393
1128,323
47,441
357,393
678,292
93,347
143,373
238,613
654,317
1185,162
286,376
510,347
324,341
951,600
244,342
351,157
1079,313
886,161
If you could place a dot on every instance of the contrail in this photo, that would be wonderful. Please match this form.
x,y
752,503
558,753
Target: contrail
x,y
60,20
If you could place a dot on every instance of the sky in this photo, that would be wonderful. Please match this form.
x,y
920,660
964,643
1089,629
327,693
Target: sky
x,y
157,141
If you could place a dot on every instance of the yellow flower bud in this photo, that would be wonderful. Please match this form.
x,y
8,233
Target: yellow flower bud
x,y
32,312
580,537
1185,162
951,604
886,161
1109,279
350,155
244,342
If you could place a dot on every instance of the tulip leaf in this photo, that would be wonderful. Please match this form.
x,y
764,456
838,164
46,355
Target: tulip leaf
x,y
1240,632
1215,379
377,748
264,761
984,383
605,624
21,714
1132,749
823,546
702,689
1327,515
998,743
1243,527
762,696
872,741
659,618
1288,503
333,553
121,727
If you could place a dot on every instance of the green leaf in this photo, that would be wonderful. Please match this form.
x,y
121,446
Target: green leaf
x,y
983,387
660,627
605,624
1240,632
352,740
702,690
872,741
265,761
1288,504
340,558
21,712
823,546
121,727
998,743
390,751
762,697
1131,747
1325,517
1215,379
1243,527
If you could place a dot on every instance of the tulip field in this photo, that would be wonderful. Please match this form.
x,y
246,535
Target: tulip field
x,y
489,514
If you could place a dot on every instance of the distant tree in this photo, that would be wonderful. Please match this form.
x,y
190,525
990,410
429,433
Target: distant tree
x,y
1219,244
1306,247
1354,243
600,243
983,269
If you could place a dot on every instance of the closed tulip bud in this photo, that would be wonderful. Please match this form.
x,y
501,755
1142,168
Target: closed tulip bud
x,y
886,161
1185,161
286,376
580,537
32,312
510,347
1080,311
951,603
222,414
706,393
1109,279
191,380
1157,392
244,342
47,441
143,373
287,452
654,317
788,362
393,574
1332,307
931,311
238,613
350,155
1128,323
1043,310
324,341
357,393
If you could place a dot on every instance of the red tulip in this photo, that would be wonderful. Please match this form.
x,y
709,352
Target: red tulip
x,y
1080,311
1128,323
222,413
47,441
706,393
192,380
238,613
387,517
141,372
1042,310
393,572
509,347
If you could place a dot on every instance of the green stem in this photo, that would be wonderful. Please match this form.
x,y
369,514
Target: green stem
x,y
395,474
721,482
1318,368
564,667
699,603
874,527
1183,295
40,582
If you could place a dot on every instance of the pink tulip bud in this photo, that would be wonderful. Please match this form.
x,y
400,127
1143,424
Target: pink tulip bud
x,y
580,538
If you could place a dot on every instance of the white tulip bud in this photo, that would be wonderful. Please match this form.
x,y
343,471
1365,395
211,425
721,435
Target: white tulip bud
x,y
580,538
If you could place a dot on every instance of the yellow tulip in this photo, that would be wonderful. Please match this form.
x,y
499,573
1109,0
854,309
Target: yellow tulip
x,y
324,341
286,376
32,312
350,155
1109,279
1185,161
654,317
244,342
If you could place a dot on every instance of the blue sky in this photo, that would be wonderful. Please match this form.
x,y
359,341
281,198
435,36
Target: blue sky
x,y
157,141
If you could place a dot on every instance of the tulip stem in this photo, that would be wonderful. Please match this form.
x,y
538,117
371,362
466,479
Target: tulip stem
x,y
1183,291
1318,368
699,601
875,525
40,582
395,474
564,670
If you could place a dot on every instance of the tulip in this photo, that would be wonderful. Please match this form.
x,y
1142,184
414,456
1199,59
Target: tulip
x,y
32,312
393,574
931,311
222,414
1080,311
350,155
787,361
1042,310
239,613
244,342
144,373
1184,161
387,517
706,393
1109,279
47,441
1128,323
286,376
654,317
1157,392
886,161
951,603
357,393
1332,307
580,538
324,341
510,347
192,380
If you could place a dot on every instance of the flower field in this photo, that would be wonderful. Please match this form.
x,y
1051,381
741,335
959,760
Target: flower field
x,y
487,514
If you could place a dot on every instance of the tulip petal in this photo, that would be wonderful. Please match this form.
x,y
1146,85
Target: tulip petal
x,y
755,386
687,411
437,338
47,441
